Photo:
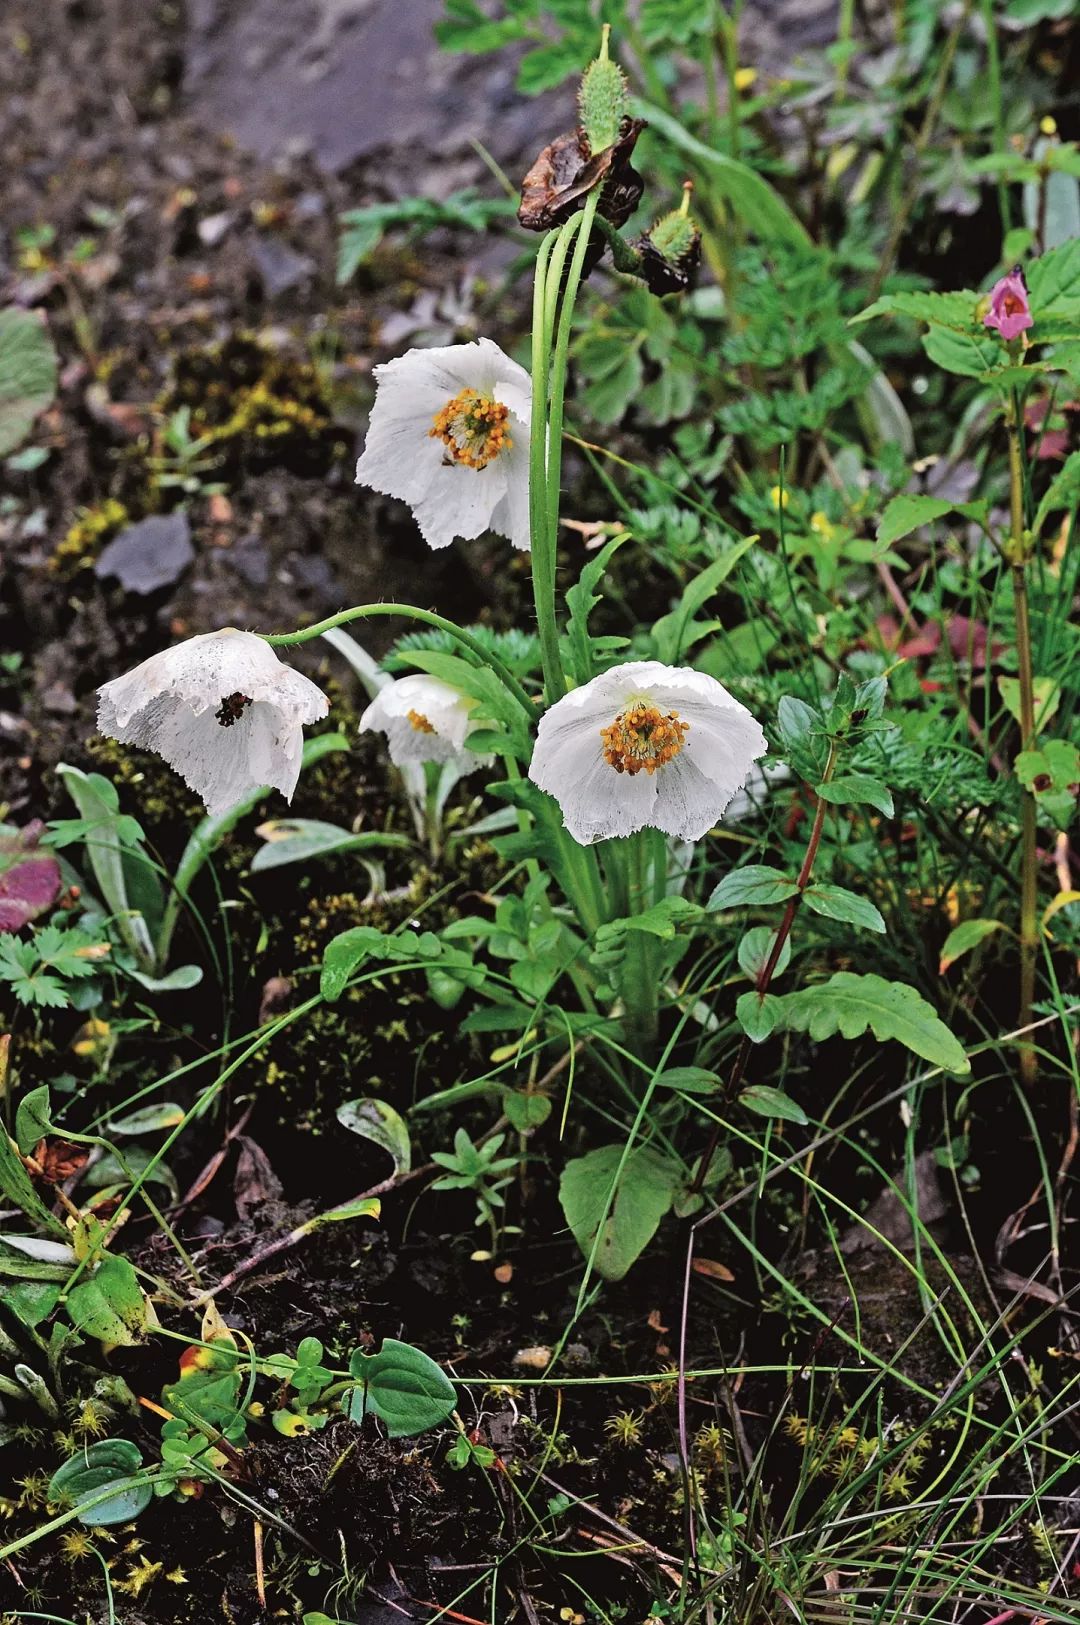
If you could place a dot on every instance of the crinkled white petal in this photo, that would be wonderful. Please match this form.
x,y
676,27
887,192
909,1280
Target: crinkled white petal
x,y
402,459
168,704
510,516
449,712
683,797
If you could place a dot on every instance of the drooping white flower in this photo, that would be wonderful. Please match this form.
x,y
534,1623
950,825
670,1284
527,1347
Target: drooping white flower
x,y
645,744
449,435
222,709
424,720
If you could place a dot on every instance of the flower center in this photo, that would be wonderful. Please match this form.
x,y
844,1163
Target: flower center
x,y
420,722
1013,305
473,429
232,708
643,738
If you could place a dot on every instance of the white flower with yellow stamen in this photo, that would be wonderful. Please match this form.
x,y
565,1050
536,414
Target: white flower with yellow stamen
x,y
449,435
424,720
645,745
222,709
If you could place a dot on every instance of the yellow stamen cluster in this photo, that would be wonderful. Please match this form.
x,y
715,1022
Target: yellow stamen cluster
x,y
473,428
642,738
420,722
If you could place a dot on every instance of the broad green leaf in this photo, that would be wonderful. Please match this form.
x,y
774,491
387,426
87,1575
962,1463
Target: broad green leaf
x,y
82,1481
755,885
1054,282
837,903
969,354
525,1111
614,1222
30,1302
906,513
32,1119
757,1014
768,1102
857,789
27,374
110,1305
402,1386
1046,693
376,1121
689,1080
963,937
754,950
852,1005
798,723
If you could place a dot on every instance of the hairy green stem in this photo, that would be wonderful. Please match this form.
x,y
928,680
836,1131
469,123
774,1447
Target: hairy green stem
x,y
546,625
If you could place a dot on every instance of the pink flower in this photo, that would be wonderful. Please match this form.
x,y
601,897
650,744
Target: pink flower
x,y
1009,310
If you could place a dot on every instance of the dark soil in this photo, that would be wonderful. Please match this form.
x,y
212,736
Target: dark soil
x,y
188,268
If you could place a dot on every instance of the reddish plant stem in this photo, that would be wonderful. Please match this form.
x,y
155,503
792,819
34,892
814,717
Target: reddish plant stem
x,y
768,970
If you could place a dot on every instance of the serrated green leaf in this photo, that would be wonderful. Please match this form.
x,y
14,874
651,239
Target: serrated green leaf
x,y
755,885
906,513
851,1005
969,354
857,789
837,903
1054,281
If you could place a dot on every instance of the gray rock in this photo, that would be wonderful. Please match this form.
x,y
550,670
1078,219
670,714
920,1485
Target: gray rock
x,y
150,555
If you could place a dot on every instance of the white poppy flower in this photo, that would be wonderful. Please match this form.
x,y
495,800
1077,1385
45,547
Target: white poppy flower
x,y
424,720
449,435
645,744
222,709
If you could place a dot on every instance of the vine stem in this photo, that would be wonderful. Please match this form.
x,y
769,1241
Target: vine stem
x,y
279,640
768,970
1029,878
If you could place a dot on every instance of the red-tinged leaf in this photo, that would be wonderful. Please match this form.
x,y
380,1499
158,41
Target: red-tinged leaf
x,y
29,879
713,1269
